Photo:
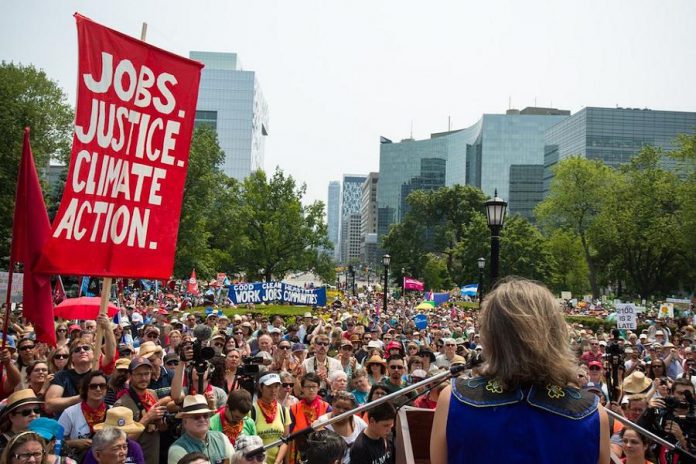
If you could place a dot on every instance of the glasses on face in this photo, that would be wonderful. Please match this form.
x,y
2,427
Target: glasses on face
x,y
81,348
62,330
26,347
450,344
218,345
378,394
283,347
287,385
97,386
125,353
40,369
396,367
311,387
413,348
594,368
367,339
172,363
61,356
347,348
387,339
28,412
152,335
321,344
239,333
24,457
258,458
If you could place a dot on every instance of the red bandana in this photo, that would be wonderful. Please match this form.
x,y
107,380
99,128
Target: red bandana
x,y
93,416
269,410
311,410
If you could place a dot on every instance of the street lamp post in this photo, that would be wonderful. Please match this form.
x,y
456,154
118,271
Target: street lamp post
x,y
352,276
369,297
403,282
481,266
495,214
386,259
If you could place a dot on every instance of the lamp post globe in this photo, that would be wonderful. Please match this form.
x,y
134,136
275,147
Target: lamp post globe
x,y
481,266
495,215
386,259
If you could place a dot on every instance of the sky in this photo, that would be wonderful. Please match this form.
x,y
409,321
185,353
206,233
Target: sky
x,y
337,75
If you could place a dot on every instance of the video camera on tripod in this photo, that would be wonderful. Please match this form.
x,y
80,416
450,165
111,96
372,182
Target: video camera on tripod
x,y
614,361
655,419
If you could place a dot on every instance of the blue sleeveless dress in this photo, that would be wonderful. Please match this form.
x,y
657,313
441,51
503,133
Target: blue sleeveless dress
x,y
540,425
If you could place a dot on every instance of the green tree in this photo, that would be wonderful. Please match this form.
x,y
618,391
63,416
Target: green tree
x,y
579,190
276,233
685,155
203,181
569,269
28,98
642,227
435,275
405,244
523,250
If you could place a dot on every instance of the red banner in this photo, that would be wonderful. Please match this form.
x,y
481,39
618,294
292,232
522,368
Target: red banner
x,y
413,284
136,104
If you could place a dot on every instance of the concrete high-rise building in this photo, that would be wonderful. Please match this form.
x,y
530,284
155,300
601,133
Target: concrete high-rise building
x,y
231,102
369,252
351,199
613,135
333,216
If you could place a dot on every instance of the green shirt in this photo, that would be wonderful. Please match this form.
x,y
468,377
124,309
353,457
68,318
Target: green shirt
x,y
217,447
249,427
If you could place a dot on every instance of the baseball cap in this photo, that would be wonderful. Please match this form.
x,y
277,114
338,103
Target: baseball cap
x,y
274,330
594,364
137,362
269,379
298,347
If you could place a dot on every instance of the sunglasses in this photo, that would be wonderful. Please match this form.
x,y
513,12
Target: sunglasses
x,y
321,344
152,335
239,333
61,356
125,353
288,385
172,363
28,412
97,386
80,349
26,347
218,345
396,368
257,458
62,330
284,347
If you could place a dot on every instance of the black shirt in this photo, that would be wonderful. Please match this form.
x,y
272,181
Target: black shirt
x,y
70,380
365,450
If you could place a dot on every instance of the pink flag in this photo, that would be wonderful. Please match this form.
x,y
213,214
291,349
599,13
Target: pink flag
x,y
413,284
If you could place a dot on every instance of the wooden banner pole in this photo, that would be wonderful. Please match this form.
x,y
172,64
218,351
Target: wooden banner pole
x,y
103,307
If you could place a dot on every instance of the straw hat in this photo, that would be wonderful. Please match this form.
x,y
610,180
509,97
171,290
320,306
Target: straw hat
x,y
637,382
147,349
376,359
123,363
194,404
20,398
122,418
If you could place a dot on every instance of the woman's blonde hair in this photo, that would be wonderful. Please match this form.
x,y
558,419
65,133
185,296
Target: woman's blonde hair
x,y
525,336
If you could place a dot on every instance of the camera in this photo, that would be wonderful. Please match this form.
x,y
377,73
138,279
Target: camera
x,y
655,419
248,372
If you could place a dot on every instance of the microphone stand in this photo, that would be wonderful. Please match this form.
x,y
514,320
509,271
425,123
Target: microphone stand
x,y
686,455
442,376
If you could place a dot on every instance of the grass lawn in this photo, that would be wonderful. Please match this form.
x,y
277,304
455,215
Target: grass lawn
x,y
266,310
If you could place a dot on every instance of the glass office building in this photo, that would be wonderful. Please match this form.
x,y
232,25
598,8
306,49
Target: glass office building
x,y
333,215
500,151
613,135
230,101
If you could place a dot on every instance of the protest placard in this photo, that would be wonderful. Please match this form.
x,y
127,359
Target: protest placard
x,y
626,317
119,216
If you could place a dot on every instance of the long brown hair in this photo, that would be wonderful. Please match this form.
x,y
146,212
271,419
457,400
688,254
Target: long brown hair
x,y
525,336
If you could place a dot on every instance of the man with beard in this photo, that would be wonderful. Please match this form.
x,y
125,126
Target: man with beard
x,y
146,408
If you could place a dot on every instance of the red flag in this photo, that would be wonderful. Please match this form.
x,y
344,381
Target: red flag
x,y
193,284
59,291
30,230
136,106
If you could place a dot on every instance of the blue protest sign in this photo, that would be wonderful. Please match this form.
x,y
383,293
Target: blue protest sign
x,y
266,292
421,321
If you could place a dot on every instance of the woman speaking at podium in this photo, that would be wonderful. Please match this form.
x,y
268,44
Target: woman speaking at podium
x,y
526,406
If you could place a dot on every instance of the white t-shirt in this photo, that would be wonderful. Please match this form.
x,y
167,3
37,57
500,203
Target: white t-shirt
x,y
74,423
358,426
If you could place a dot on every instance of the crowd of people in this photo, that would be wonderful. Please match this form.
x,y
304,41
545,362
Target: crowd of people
x,y
151,394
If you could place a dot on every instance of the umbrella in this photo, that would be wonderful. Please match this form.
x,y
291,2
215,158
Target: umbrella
x,y
83,308
426,305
